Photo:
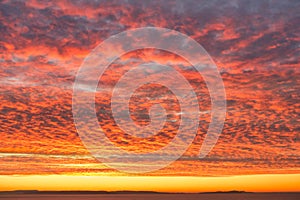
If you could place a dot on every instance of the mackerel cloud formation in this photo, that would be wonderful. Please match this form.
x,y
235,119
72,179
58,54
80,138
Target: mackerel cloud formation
x,y
254,43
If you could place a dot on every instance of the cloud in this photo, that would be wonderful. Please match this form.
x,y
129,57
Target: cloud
x,y
254,43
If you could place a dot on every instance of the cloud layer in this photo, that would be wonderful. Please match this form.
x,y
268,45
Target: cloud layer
x,y
254,43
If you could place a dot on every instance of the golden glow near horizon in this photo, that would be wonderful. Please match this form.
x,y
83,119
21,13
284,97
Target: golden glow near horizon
x,y
253,183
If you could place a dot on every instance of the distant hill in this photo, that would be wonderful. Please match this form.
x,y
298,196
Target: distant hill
x,y
231,192
108,192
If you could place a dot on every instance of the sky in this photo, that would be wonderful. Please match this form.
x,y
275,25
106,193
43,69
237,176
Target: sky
x,y
255,45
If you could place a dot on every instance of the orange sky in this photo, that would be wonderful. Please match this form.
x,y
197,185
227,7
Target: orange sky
x,y
254,183
254,44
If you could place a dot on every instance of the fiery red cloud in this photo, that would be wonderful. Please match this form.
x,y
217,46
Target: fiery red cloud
x,y
254,43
